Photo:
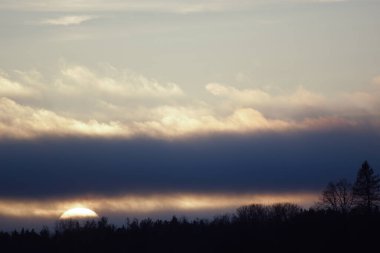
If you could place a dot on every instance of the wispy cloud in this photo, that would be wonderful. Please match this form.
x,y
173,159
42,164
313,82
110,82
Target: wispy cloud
x,y
172,6
105,83
9,88
68,20
79,79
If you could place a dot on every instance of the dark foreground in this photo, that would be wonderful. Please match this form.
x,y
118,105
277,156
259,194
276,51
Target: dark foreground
x,y
255,228
346,220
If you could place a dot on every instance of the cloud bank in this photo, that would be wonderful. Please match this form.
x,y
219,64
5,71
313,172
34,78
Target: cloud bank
x,y
112,103
269,163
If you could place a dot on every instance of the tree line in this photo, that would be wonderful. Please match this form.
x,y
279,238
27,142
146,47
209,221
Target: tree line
x,y
362,196
345,219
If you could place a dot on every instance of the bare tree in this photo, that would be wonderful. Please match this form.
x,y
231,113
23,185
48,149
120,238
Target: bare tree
x,y
253,213
367,188
283,212
338,196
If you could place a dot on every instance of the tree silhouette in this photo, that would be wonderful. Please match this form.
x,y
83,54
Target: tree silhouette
x,y
366,189
252,213
283,212
281,227
338,196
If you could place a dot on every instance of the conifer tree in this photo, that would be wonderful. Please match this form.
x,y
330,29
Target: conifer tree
x,y
366,189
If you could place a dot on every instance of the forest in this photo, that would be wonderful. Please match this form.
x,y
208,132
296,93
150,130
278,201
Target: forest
x,y
345,219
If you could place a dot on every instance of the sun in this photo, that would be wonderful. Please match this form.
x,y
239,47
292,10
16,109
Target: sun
x,y
78,213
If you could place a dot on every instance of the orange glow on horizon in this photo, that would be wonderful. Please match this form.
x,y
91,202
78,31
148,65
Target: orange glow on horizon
x,y
147,204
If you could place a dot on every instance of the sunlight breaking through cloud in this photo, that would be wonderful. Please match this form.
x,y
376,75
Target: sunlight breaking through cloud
x,y
147,204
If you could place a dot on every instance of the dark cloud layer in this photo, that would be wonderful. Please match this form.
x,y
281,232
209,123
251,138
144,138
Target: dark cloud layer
x,y
266,163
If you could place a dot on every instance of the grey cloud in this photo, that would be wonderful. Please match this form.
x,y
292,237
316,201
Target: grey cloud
x,y
235,163
144,5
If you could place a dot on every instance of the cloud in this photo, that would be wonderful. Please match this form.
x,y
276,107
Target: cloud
x,y
76,80
103,84
146,204
9,88
67,20
172,6
258,97
267,163
25,122
113,103
172,122
302,103
17,121
376,80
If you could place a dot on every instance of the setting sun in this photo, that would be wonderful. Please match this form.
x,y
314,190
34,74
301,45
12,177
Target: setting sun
x,y
189,126
78,213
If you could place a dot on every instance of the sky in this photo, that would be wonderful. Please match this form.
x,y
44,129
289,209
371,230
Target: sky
x,y
161,107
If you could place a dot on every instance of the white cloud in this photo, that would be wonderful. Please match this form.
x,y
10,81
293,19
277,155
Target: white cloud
x,y
67,20
301,102
114,103
106,83
300,97
25,122
176,122
79,79
9,88
18,121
